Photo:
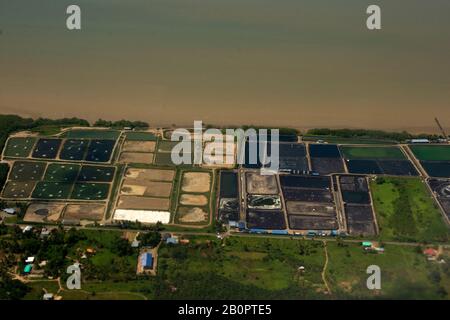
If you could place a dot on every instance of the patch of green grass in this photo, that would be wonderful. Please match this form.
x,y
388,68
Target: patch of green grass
x,y
404,273
406,211
140,136
12,219
267,264
352,152
91,134
431,152
47,130
37,289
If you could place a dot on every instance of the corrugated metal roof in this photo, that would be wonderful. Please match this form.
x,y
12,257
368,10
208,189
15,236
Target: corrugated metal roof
x,y
172,240
147,259
28,268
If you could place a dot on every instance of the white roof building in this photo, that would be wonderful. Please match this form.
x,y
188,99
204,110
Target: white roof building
x,y
29,260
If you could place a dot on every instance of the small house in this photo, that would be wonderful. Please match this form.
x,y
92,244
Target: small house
x,y
29,260
27,229
232,224
48,296
366,244
147,260
431,253
172,240
27,268
10,210
135,244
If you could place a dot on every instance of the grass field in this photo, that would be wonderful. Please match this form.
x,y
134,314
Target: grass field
x,y
351,152
431,152
19,147
406,211
91,134
140,136
405,273
164,159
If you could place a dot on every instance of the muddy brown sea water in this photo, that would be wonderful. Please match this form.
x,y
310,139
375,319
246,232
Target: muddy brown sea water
x,y
266,62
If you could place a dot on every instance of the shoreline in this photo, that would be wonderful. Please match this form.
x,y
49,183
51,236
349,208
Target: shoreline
x,y
429,129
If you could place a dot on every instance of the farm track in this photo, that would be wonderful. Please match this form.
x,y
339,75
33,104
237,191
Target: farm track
x,y
325,265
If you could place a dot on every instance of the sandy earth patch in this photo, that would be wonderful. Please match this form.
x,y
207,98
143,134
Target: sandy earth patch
x,y
41,212
196,182
191,215
261,184
150,174
193,200
146,188
133,189
219,155
136,202
84,212
136,157
139,146
130,235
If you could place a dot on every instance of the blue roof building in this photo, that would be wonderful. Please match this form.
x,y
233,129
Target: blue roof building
x,y
242,225
147,260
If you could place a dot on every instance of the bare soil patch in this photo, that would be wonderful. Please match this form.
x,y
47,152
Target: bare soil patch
x,y
41,212
136,157
144,203
139,146
146,188
193,200
150,174
84,212
196,182
259,184
192,214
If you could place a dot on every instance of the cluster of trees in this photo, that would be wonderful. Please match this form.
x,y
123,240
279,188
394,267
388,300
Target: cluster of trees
x,y
10,123
150,239
53,249
11,289
137,225
4,169
63,122
370,134
121,124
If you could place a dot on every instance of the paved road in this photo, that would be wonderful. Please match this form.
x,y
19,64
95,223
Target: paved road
x,y
251,235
